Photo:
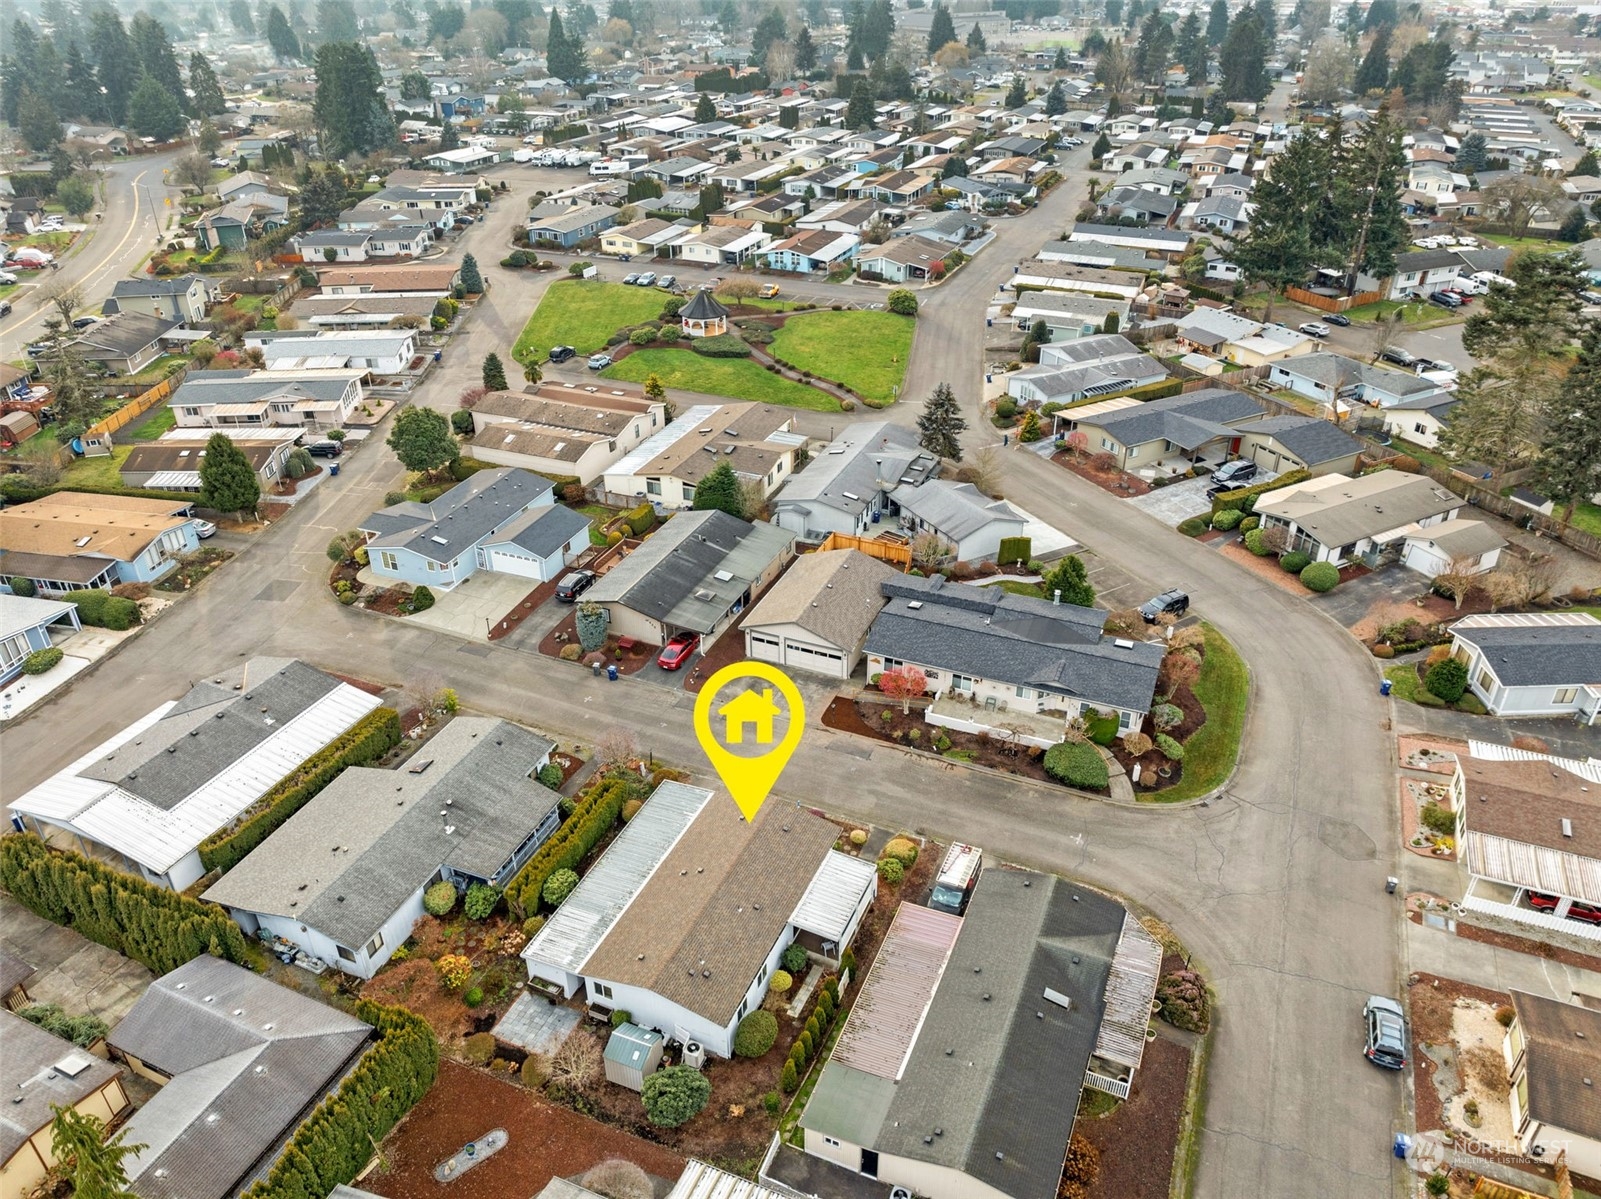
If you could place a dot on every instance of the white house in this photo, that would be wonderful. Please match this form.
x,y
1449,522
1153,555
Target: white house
x,y
961,516
1551,1065
1338,519
847,487
636,934
382,351
1452,547
251,399
1533,663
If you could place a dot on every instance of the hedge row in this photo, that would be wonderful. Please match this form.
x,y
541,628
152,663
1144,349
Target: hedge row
x,y
158,928
99,609
342,1133
1244,498
1154,391
593,815
17,489
369,739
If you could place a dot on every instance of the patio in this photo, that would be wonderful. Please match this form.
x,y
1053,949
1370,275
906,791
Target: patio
x,y
1041,729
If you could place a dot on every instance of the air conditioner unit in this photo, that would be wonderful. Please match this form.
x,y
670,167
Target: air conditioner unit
x,y
694,1055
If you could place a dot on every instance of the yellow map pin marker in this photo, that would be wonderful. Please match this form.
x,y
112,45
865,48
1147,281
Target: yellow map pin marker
x,y
746,720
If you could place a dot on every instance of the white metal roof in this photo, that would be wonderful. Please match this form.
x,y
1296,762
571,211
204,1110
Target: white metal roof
x,y
66,793
700,1181
1487,751
253,408
168,480
645,452
588,914
20,613
1533,866
832,895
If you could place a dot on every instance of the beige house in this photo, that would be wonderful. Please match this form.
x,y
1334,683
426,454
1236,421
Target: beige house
x,y
1170,434
757,440
1551,1064
816,618
558,429
1338,519
38,1070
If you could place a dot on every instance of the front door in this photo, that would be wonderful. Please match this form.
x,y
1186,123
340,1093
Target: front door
x,y
870,1162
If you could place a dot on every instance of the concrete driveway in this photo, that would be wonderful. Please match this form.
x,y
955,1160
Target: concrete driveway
x,y
472,608
1175,503
74,972
1047,541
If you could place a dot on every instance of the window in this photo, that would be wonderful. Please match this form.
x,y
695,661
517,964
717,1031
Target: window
x,y
960,682
1025,693
387,560
831,1141
1486,681
602,990
893,663
13,650
348,955
1419,427
653,486
375,944
1565,695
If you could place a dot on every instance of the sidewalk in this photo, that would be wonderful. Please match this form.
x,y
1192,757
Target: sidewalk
x,y
1441,952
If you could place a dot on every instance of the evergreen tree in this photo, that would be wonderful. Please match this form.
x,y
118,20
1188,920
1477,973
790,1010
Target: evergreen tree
x,y
209,139
1473,155
115,62
422,440
82,88
350,109
718,490
1070,578
975,41
1267,17
705,109
228,482
1568,465
156,57
494,373
414,87
1278,247
1101,148
942,29
1574,225
1190,49
1423,74
771,28
1243,60
1368,175
322,197
280,37
153,111
1017,94
1382,14
336,21
805,51
1055,101
1059,63
239,17
860,114
208,99
472,279
37,122
1588,164
940,425
1154,49
1374,72
1217,24
565,55
87,1157
878,26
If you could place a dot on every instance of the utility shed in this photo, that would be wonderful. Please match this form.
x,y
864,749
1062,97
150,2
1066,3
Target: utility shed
x,y
632,1055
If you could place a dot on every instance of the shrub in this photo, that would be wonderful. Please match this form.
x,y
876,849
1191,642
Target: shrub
x,y
479,1047
101,609
1076,764
675,1096
794,959
1136,744
643,335
550,776
535,1070
461,421
454,970
756,1034
1249,523
1383,651
1229,518
1320,576
901,302
1167,716
789,1079
1170,749
42,660
1254,541
1193,527
902,850
532,925
858,837
23,587
1437,819
421,600
481,901
558,887
1295,561
804,1046
1005,408
621,1017
1448,680
1102,728
571,652
472,997
1504,1015
724,345
1182,994
891,871
82,1031
772,1102
1438,1184
618,1179
780,983
439,899
631,809
825,1006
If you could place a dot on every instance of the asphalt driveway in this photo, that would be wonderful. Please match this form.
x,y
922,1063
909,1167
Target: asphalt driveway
x,y
1352,600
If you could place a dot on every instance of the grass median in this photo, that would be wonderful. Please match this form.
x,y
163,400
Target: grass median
x,y
865,351
583,313
1223,687
736,378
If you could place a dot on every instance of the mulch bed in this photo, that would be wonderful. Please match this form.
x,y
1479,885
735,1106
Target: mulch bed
x,y
867,720
1137,1141
1152,760
566,633
1430,1001
288,486
546,1141
1115,481
1539,949
522,610
390,601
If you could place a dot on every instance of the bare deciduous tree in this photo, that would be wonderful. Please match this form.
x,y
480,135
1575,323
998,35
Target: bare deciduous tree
x,y
739,288
930,552
616,747
983,470
575,1065
1458,580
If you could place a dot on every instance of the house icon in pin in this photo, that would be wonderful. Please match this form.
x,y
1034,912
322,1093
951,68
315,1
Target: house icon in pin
x,y
749,708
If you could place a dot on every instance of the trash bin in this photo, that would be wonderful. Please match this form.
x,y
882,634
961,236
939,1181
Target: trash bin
x,y
611,672
1384,687
333,468
1403,1145
438,354
1390,884
596,667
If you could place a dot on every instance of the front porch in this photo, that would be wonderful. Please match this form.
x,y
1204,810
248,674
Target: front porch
x,y
1511,902
953,710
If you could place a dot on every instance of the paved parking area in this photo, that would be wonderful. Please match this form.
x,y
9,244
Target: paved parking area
x,y
73,971
472,608
1114,587
1046,541
1175,503
1390,585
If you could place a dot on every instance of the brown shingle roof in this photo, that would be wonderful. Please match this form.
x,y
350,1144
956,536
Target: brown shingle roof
x,y
433,276
70,524
1527,801
186,455
702,926
834,596
1564,1064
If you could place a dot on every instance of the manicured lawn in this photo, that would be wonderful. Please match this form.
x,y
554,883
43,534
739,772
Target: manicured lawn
x,y
157,370
736,378
101,471
866,351
162,420
1405,684
583,314
1223,687
1524,243
1587,517
1414,315
1019,588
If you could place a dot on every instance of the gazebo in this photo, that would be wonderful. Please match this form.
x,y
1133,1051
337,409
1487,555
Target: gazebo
x,y
703,316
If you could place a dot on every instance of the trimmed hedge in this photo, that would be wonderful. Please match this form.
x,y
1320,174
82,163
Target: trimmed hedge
x,y
337,1140
724,345
42,660
1015,549
1295,561
1320,576
594,813
158,928
18,490
641,520
1227,519
101,609
369,739
1077,764
1154,391
1244,498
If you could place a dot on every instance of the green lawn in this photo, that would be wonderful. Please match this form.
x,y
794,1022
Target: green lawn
x,y
1587,517
1524,243
1415,315
1223,687
1405,684
1426,456
866,351
162,420
158,368
583,314
736,378
1020,588
100,471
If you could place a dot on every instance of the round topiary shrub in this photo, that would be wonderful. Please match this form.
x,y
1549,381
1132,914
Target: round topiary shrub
x,y
675,1096
756,1034
1448,680
1383,651
535,1070
643,335
891,871
1256,542
794,959
23,587
1170,749
1228,518
571,652
439,899
1193,527
479,1047
481,901
621,1017
780,983
558,887
1320,576
532,925
42,660
847,405
473,996
858,837
631,809
1295,561
618,1179
1167,716
1249,523
421,600
902,849
1077,764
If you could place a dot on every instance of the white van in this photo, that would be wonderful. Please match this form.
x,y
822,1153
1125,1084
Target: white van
x,y
958,873
607,167
522,156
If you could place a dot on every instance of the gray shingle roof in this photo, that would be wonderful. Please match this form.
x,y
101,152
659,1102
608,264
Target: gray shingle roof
x,y
239,1048
845,476
1308,438
246,386
703,306
1014,639
175,285
957,510
26,1073
461,518
1540,655
347,861
1186,420
544,530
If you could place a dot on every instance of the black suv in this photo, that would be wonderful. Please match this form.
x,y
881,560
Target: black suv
x,y
1169,603
561,353
325,449
574,585
1232,475
1398,356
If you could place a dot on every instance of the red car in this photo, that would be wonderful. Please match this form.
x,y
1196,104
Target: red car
x,y
1579,911
678,650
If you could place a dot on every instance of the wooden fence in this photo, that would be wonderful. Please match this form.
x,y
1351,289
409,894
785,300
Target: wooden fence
x,y
97,438
1491,500
899,556
1331,303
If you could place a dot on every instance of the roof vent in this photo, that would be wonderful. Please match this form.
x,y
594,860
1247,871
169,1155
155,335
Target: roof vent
x,y
914,604
1567,827
986,996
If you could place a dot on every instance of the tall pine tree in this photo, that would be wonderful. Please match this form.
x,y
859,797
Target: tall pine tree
x,y
940,425
207,92
941,29
1568,464
228,482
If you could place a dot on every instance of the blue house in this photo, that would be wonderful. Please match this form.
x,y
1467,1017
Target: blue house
x,y
459,108
569,224
72,539
813,250
505,521
26,625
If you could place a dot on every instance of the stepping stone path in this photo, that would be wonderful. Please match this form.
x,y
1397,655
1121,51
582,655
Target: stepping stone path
x,y
470,1154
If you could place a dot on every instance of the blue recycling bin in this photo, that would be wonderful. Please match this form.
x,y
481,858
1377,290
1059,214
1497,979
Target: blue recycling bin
x,y
1403,1145
1384,687
333,468
611,672
438,354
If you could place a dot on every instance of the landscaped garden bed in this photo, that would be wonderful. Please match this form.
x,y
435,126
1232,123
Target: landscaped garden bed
x,y
1135,1140
868,719
192,567
1102,470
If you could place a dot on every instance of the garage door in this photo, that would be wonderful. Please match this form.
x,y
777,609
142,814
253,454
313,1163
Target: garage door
x,y
524,565
766,647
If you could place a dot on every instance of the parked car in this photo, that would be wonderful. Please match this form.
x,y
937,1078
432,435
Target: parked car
x,y
647,279
667,282
1398,356
599,362
1541,902
561,353
1590,297
221,162
325,449
1231,475
1169,603
1445,299
7,278
1386,1032
768,292
83,322
574,585
1338,318
678,650
464,220
631,279
1315,329
204,529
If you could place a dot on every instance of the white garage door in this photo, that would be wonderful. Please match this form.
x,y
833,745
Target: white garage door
x,y
797,656
523,565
